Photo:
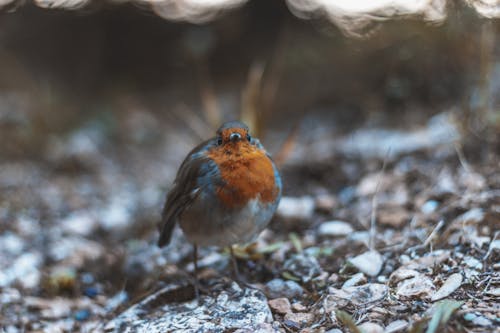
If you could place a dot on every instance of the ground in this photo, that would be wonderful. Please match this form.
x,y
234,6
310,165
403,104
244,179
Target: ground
x,y
380,228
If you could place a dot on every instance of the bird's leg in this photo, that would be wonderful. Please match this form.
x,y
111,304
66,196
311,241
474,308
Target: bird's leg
x,y
236,272
196,281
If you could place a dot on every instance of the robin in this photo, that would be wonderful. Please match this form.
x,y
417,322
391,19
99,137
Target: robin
x,y
225,192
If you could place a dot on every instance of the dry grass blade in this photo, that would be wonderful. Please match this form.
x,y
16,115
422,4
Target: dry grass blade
x,y
373,218
347,321
288,144
294,238
443,311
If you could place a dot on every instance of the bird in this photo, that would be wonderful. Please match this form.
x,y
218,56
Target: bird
x,y
226,192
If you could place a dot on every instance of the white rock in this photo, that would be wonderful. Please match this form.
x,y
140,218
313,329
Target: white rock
x,y
227,310
493,292
296,208
369,262
450,285
354,280
25,269
419,285
335,228
359,295
402,273
371,328
429,207
474,215
473,263
79,223
395,326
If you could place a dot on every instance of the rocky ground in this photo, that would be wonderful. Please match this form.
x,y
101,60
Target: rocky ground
x,y
379,230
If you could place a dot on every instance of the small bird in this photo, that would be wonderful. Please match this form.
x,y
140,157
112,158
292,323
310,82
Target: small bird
x,y
225,192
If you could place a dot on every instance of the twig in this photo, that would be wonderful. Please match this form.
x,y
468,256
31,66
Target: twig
x,y
490,248
373,218
462,159
431,236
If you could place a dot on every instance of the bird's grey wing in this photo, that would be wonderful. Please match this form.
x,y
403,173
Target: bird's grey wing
x,y
185,189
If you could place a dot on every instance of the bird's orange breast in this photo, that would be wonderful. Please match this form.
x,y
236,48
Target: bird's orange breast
x,y
247,173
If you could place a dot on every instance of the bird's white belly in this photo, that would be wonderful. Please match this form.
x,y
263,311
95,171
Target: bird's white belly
x,y
206,223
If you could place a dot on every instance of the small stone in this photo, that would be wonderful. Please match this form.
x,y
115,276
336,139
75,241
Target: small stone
x,y
419,285
302,318
371,328
429,207
360,237
493,292
359,295
473,263
369,262
82,315
477,319
298,307
394,216
280,305
296,208
325,202
277,288
304,266
474,215
402,274
117,300
396,326
79,224
354,280
450,285
429,260
333,278
334,228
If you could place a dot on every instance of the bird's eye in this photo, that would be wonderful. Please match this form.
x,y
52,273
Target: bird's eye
x,y
219,141
249,138
235,137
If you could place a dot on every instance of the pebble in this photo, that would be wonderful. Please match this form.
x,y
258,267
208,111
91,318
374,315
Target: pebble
x,y
79,224
429,207
325,202
474,215
279,288
24,269
11,244
369,262
473,263
296,208
419,285
335,228
117,300
304,266
354,280
396,326
451,284
280,305
302,318
82,315
402,273
298,307
477,319
360,295
371,328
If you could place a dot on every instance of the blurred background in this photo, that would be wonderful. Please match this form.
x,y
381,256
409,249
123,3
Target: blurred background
x,y
101,101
